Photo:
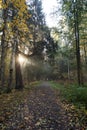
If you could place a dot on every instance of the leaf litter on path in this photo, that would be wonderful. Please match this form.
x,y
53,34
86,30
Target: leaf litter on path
x,y
38,109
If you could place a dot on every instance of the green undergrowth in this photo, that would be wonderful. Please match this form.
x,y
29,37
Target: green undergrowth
x,y
73,93
74,99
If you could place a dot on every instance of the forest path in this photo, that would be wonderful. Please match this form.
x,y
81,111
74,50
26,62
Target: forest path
x,y
46,109
42,110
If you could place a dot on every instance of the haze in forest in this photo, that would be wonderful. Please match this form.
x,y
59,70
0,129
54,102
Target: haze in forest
x,y
43,64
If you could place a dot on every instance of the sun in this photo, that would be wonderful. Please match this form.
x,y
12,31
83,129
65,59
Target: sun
x,y
21,59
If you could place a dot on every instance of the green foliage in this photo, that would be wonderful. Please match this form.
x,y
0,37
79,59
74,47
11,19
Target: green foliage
x,y
76,94
73,93
36,22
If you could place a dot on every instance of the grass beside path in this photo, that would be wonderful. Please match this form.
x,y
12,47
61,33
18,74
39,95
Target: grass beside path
x,y
73,94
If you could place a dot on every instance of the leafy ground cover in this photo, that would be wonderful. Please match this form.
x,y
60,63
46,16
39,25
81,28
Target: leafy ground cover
x,y
11,103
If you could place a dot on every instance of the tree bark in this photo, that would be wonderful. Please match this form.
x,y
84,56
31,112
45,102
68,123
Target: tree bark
x,y
77,42
3,49
11,68
18,75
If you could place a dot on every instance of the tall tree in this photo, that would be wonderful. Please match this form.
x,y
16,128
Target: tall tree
x,y
73,11
36,22
76,18
14,15
3,45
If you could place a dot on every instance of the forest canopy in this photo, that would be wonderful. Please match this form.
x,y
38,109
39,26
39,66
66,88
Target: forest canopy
x,y
30,50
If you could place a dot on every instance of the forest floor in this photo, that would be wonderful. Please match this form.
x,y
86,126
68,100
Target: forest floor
x,y
39,108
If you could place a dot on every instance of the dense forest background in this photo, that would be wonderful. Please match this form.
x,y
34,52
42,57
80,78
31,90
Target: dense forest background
x,y
30,50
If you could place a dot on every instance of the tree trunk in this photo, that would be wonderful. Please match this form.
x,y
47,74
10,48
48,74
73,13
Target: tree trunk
x,y
85,56
11,68
19,81
77,43
4,50
18,75
68,64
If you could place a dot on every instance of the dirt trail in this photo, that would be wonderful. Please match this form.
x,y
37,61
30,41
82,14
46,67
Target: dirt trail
x,y
42,110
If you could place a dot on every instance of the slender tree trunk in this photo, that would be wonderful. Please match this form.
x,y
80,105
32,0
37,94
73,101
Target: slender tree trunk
x,y
68,64
77,42
85,54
